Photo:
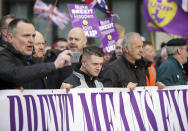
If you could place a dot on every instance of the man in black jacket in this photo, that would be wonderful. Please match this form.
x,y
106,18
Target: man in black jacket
x,y
18,67
125,72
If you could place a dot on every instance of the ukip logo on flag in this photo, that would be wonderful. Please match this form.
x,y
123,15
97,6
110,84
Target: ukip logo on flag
x,y
166,16
51,13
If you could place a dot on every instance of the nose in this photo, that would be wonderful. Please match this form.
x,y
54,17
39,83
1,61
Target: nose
x,y
31,39
73,41
141,50
99,66
41,45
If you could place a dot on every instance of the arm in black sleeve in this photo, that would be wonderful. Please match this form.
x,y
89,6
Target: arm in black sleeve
x,y
109,78
17,73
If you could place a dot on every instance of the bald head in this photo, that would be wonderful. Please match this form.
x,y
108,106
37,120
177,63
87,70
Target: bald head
x,y
77,30
77,39
39,36
39,45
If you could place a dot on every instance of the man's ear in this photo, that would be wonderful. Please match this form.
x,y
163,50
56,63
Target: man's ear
x,y
179,50
85,42
83,63
126,49
9,37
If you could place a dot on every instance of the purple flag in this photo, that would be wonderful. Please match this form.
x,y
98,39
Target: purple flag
x,y
84,16
109,34
166,16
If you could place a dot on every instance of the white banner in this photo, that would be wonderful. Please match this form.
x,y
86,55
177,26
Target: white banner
x,y
83,109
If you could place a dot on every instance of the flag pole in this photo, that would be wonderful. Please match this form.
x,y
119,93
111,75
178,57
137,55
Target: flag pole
x,y
48,27
152,39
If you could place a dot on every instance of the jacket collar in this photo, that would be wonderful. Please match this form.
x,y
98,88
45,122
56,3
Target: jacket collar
x,y
130,65
175,61
2,42
143,63
87,77
10,48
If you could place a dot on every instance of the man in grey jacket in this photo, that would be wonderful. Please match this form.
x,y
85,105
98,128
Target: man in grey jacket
x,y
87,75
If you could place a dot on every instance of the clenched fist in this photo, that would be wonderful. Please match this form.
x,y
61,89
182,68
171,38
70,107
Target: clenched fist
x,y
63,59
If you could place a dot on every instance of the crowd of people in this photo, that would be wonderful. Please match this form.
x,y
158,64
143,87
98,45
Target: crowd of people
x,y
27,64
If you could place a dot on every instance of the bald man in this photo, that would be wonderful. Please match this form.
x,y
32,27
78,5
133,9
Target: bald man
x,y
77,39
39,45
76,42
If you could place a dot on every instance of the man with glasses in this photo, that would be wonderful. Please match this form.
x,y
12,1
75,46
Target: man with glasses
x,y
39,46
171,71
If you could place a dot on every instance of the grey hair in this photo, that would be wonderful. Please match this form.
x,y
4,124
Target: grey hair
x,y
127,39
171,50
163,51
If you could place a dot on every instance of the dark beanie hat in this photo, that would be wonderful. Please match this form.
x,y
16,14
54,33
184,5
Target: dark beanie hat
x,y
177,42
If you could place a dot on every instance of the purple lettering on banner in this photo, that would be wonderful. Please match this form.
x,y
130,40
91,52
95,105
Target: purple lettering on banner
x,y
103,97
163,108
27,99
54,111
177,109
185,102
137,111
42,110
122,111
65,102
12,100
86,111
61,110
151,116
95,111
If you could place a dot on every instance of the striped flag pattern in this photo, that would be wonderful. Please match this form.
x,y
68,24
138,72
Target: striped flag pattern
x,y
51,13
